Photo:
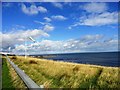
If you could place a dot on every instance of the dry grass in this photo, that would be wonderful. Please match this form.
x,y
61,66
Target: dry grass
x,y
53,74
16,80
109,78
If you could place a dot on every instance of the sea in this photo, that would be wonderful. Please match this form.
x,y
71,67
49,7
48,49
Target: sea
x,y
99,58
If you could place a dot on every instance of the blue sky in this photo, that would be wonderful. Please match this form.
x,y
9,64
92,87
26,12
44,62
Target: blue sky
x,y
60,25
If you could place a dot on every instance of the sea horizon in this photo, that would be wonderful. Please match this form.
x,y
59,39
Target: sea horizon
x,y
95,58
76,52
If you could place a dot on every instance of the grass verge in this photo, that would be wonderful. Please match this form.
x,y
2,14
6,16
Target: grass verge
x,y
6,78
10,78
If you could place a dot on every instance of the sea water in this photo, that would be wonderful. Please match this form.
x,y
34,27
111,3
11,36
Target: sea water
x,y
102,58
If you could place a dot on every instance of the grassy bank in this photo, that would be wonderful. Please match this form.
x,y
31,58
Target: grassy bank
x,y
10,79
53,74
6,78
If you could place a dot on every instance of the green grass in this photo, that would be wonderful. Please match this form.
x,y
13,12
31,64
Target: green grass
x,y
6,78
10,79
54,74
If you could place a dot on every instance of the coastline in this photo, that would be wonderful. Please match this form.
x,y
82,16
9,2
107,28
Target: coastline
x,y
102,59
74,63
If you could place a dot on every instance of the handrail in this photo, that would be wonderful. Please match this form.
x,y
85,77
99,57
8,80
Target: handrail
x,y
26,79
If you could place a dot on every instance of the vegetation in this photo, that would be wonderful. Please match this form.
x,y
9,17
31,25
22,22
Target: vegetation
x,y
10,79
6,78
54,74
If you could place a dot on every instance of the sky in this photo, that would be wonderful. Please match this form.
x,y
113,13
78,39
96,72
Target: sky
x,y
59,27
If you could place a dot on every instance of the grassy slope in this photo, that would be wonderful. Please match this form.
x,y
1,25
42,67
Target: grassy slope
x,y
53,74
10,77
6,78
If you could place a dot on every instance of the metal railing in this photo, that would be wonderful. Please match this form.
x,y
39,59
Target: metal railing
x,y
26,79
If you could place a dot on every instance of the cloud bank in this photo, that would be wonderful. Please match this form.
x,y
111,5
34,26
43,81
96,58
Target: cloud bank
x,y
13,38
88,43
96,14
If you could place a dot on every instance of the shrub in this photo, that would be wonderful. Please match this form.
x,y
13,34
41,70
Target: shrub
x,y
75,68
14,57
32,62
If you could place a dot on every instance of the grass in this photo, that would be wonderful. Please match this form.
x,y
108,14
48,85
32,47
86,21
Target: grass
x,y
54,74
6,78
109,78
10,79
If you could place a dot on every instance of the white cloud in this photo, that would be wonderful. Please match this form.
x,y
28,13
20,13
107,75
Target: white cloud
x,y
92,37
86,43
42,9
101,19
17,27
58,5
13,38
98,15
47,19
70,27
38,22
21,47
58,17
33,9
106,18
95,7
48,28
